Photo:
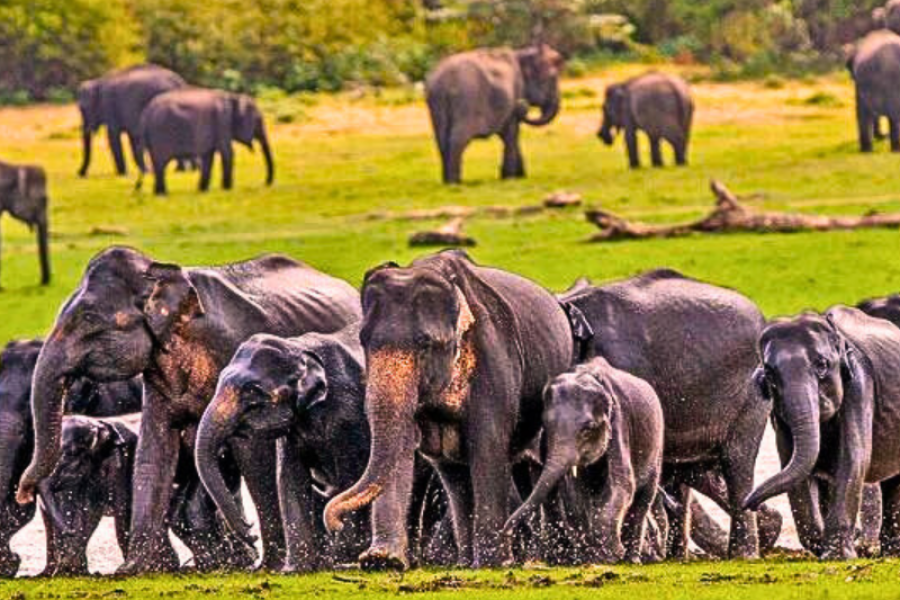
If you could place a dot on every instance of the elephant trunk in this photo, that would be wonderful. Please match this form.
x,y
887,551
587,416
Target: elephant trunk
x,y
801,406
267,154
606,133
549,110
47,404
558,463
57,517
391,399
86,150
215,428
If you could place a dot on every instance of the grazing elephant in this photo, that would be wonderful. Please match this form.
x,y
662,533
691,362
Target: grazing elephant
x,y
117,100
875,67
23,194
178,327
658,104
482,93
196,122
831,379
457,357
695,344
17,362
606,427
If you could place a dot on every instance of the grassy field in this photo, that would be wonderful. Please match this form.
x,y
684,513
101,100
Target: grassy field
x,y
349,165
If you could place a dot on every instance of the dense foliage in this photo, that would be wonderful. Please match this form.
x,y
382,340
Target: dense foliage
x,y
48,46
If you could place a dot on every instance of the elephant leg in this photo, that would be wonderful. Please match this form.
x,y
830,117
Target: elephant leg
x,y
865,122
678,546
43,241
890,517
491,474
655,152
894,132
743,539
206,164
115,146
453,160
635,525
680,147
227,155
513,165
390,514
455,480
257,462
605,524
73,548
52,541
137,152
870,518
803,498
631,145
159,175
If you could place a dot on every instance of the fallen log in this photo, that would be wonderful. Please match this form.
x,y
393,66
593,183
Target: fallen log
x,y
730,215
449,234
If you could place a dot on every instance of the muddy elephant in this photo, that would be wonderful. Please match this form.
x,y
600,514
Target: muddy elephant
x,y
695,343
482,93
457,357
196,122
17,363
658,104
603,433
23,194
117,100
875,67
831,379
178,327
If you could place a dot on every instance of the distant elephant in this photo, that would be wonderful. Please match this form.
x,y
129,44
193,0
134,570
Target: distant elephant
x,y
658,104
482,93
832,381
116,100
887,307
875,67
695,343
23,194
17,363
196,122
604,445
178,327
457,356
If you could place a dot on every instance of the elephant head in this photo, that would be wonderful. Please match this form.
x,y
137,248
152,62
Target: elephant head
x,y
91,118
806,368
419,356
269,384
247,125
615,112
541,66
17,363
125,308
577,410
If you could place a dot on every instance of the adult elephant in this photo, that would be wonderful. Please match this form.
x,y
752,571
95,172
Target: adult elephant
x,y
17,363
658,104
197,122
875,67
831,380
695,343
457,357
178,327
887,307
117,100
23,194
482,93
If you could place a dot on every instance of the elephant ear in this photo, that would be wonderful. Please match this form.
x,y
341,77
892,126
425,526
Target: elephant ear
x,y
762,384
312,387
107,438
172,301
89,103
582,332
244,116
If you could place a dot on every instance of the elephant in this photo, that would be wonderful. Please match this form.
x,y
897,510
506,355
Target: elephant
x,y
17,362
694,343
23,194
457,356
887,308
484,92
117,100
658,104
606,428
830,379
875,66
196,122
178,327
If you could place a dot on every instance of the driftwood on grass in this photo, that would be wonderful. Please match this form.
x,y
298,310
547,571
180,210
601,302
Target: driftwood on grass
x,y
562,199
729,215
448,234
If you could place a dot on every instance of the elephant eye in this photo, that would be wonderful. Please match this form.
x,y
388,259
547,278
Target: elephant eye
x,y
253,388
823,367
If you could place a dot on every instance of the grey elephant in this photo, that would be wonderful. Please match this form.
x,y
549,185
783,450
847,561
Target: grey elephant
x,y
23,194
482,93
606,428
178,327
695,344
875,67
117,100
887,307
196,122
831,379
658,104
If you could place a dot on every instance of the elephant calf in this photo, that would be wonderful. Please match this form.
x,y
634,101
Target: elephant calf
x,y
23,194
606,427
658,104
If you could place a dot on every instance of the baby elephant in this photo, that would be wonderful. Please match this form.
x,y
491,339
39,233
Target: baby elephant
x,y
656,103
604,447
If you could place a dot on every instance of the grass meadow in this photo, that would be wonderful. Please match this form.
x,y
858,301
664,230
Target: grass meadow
x,y
348,167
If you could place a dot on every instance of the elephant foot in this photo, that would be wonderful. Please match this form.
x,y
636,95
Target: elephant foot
x,y
382,559
839,551
890,547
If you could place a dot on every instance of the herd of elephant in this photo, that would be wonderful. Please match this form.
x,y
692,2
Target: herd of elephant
x,y
447,413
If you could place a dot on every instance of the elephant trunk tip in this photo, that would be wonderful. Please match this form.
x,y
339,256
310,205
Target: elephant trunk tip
x,y
349,501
